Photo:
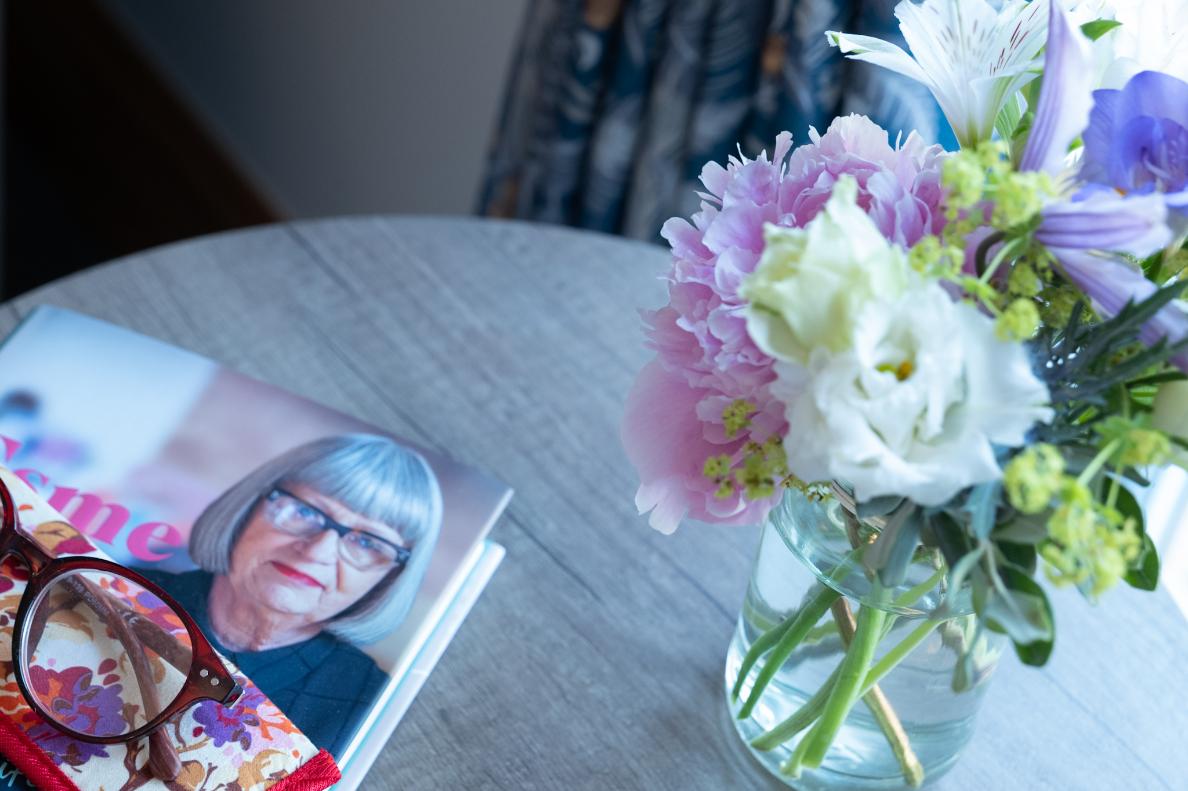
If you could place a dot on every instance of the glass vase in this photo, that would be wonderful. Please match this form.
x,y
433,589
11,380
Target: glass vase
x,y
918,640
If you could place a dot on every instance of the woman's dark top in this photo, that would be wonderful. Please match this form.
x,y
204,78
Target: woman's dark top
x,y
325,686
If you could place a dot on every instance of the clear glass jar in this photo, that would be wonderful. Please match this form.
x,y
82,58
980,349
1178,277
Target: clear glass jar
x,y
919,727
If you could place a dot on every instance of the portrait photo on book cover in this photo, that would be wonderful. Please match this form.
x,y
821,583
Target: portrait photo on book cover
x,y
306,559
314,550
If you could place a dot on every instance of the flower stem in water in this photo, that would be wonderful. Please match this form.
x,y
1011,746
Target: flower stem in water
x,y
808,616
803,717
880,707
898,654
761,646
777,633
847,690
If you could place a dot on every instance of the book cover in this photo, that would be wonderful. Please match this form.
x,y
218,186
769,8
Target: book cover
x,y
327,558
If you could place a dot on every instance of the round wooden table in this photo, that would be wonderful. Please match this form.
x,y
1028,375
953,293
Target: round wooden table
x,y
594,658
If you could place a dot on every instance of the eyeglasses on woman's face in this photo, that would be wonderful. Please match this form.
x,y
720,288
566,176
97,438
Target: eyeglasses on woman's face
x,y
360,548
101,653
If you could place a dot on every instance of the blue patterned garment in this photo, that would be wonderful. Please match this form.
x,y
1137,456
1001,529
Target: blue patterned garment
x,y
614,105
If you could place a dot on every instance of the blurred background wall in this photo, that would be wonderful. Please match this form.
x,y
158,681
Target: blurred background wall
x,y
340,107
130,123
133,123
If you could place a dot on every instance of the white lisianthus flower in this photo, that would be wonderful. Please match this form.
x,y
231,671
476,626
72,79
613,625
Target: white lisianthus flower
x,y
811,283
915,406
973,55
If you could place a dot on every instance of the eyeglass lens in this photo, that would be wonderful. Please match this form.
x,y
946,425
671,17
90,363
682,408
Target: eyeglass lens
x,y
357,547
102,655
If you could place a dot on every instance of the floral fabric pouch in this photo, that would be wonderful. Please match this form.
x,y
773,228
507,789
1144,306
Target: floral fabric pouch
x,y
248,746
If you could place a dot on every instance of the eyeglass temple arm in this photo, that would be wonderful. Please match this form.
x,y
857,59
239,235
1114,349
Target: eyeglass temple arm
x,y
164,761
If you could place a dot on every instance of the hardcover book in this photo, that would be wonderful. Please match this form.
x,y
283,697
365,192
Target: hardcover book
x,y
328,559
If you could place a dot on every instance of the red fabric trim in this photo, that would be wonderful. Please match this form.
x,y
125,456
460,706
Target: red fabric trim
x,y
316,774
25,755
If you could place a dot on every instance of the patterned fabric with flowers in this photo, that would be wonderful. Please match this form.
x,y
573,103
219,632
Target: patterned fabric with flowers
x,y
249,745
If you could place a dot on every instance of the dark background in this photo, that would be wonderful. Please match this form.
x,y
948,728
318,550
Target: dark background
x,y
101,159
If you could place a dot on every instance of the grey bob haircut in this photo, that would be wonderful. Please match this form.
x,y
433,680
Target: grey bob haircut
x,y
370,475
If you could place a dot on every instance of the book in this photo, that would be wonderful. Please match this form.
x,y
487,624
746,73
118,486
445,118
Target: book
x,y
332,560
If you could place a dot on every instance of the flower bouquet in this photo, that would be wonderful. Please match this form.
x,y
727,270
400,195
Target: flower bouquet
x,y
958,367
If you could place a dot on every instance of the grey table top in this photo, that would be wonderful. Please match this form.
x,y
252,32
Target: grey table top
x,y
594,657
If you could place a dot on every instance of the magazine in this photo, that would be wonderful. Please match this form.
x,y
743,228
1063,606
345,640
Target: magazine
x,y
330,560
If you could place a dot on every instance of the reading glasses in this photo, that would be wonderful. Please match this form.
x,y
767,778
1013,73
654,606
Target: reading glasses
x,y
142,661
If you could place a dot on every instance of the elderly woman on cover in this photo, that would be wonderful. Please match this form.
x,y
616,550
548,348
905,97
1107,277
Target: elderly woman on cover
x,y
316,552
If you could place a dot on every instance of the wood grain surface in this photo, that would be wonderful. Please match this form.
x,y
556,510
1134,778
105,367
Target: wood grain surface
x,y
594,658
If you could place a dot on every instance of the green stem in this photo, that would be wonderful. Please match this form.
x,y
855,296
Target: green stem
x,y
828,707
995,263
808,616
1098,462
803,717
897,654
881,708
763,643
775,634
912,595
1115,485
984,250
811,708
795,761
848,688
822,632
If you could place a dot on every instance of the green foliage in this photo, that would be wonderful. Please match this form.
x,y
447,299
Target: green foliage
x,y
1084,360
1144,570
1145,573
1018,607
1061,505
1098,28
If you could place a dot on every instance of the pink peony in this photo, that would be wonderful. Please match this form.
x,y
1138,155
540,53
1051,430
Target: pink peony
x,y
900,188
705,358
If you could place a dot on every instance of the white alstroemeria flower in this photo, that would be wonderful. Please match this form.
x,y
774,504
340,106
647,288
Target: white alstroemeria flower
x,y
1152,36
972,55
915,406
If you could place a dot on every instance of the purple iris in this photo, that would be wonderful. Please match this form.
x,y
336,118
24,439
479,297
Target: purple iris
x,y
1137,141
1133,194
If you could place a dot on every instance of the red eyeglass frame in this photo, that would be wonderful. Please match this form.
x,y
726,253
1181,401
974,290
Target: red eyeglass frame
x,y
215,684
